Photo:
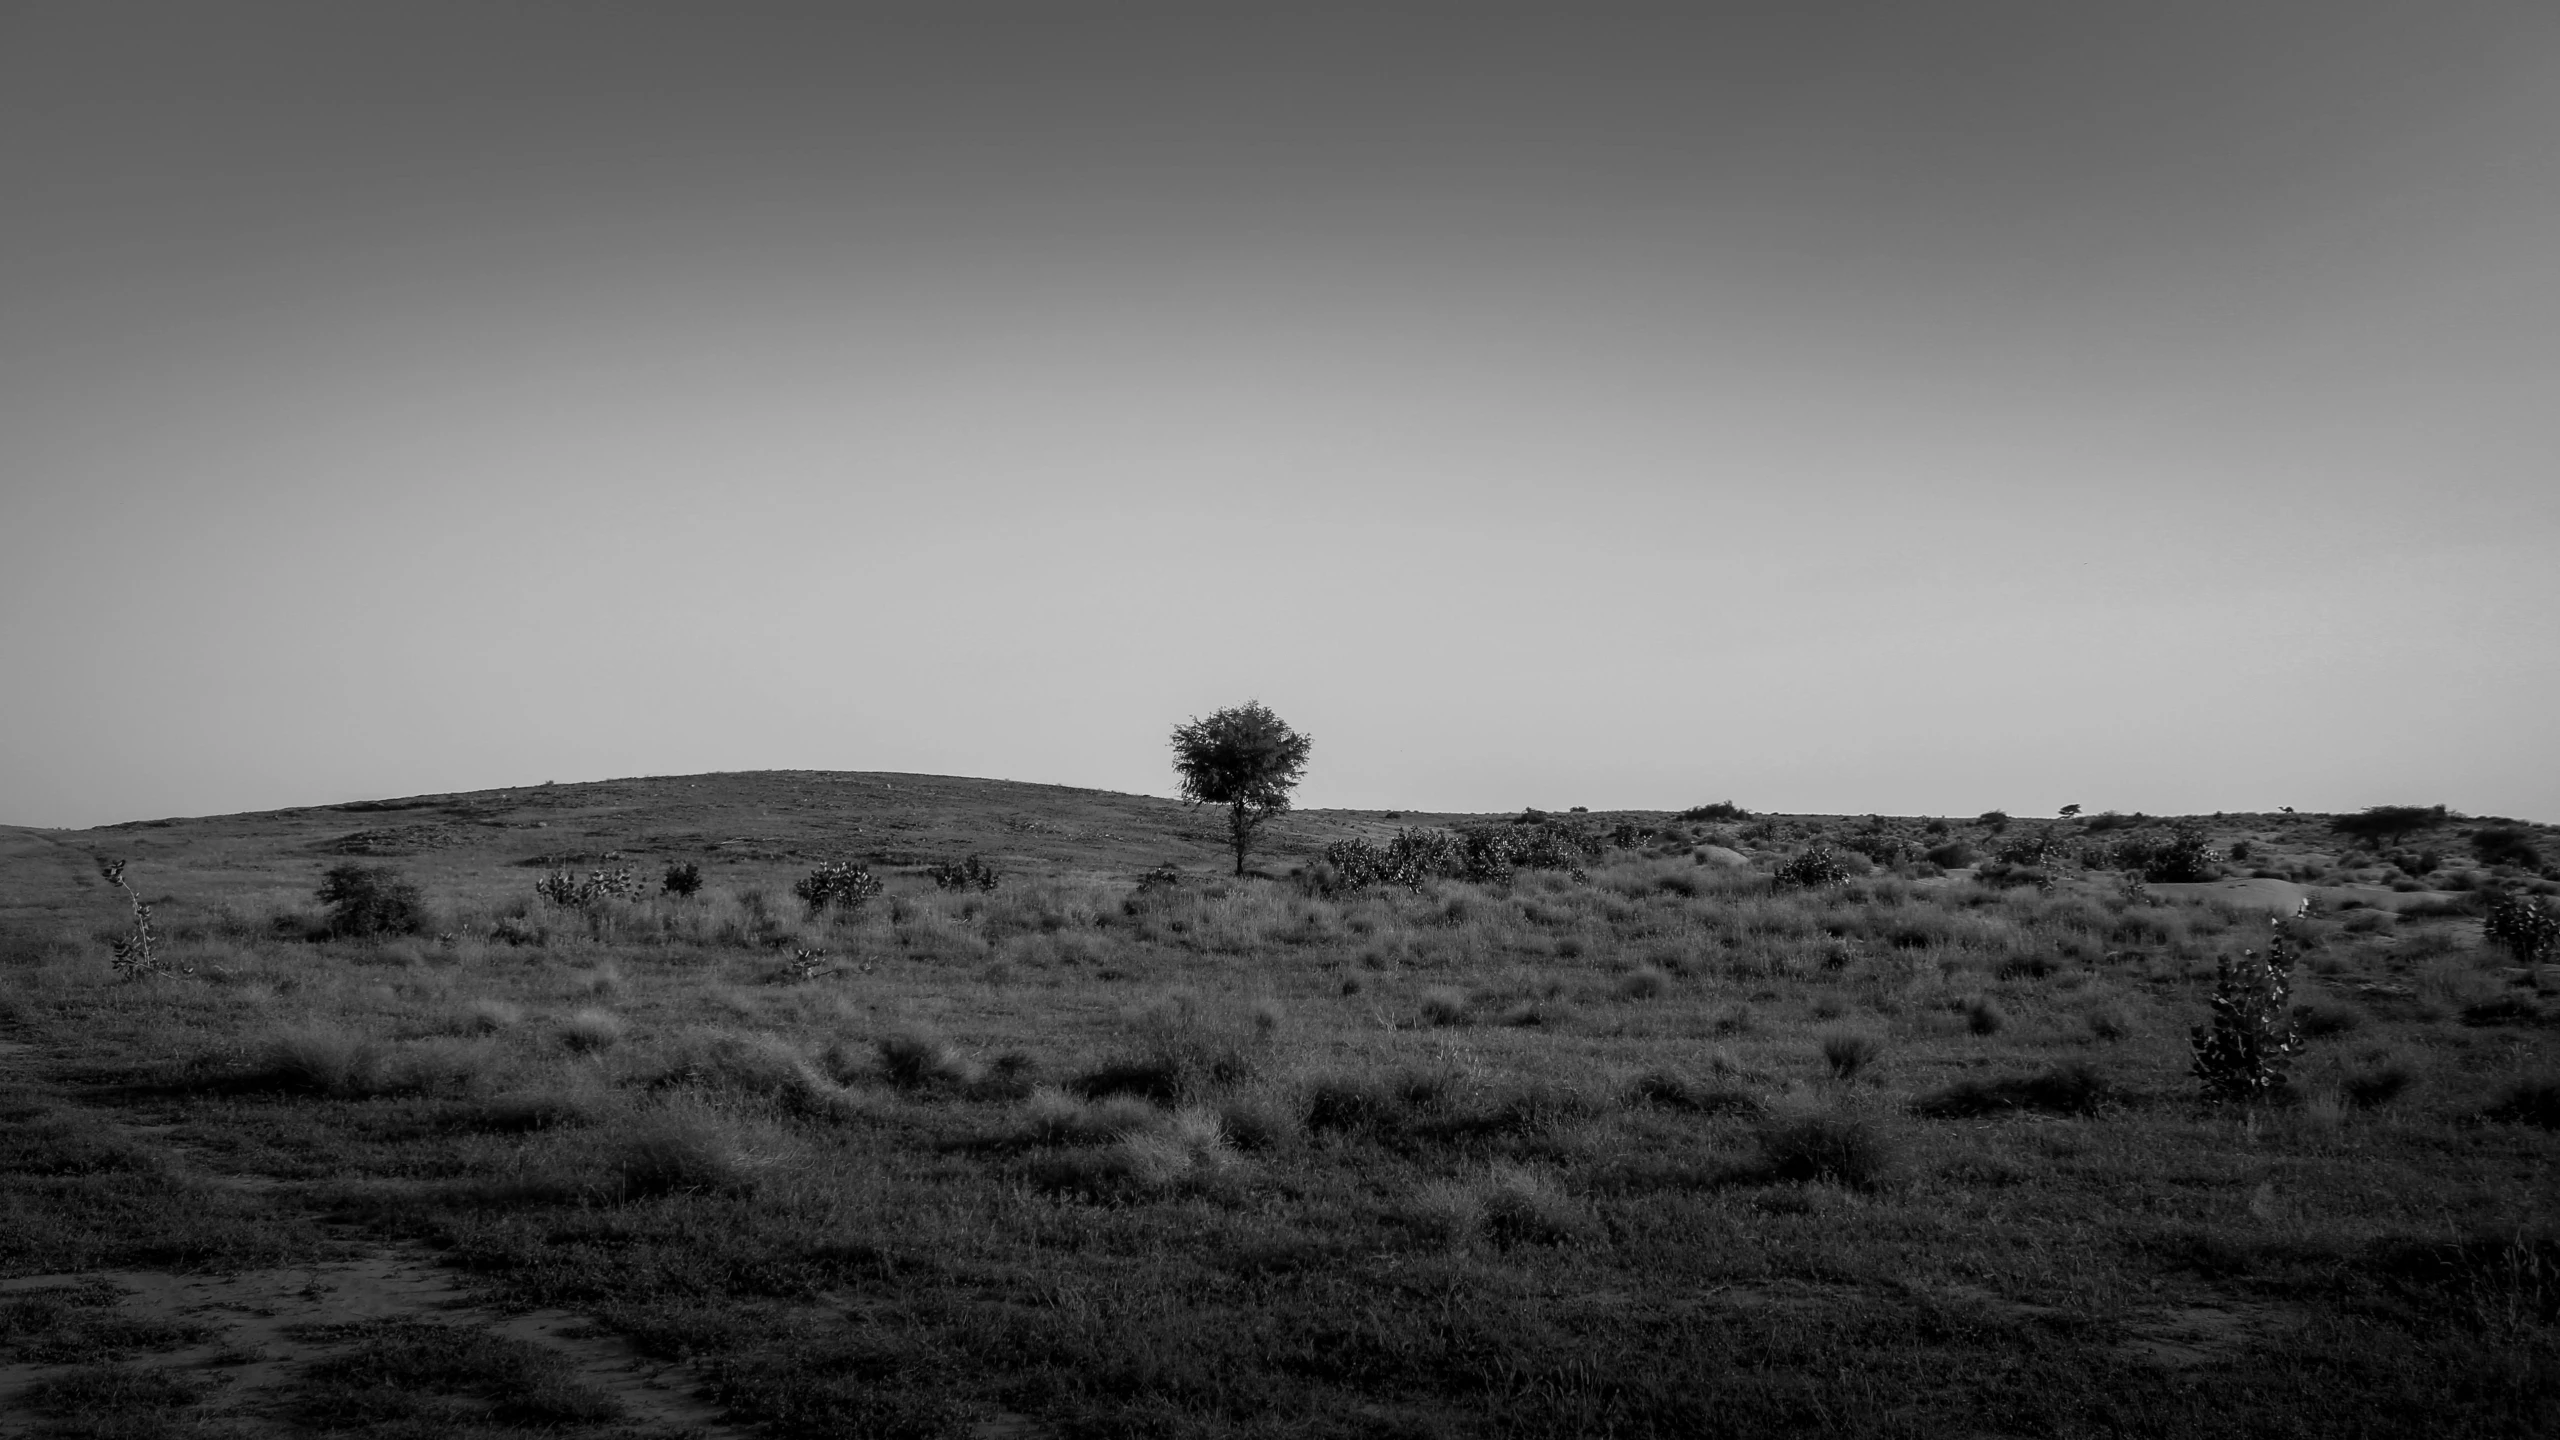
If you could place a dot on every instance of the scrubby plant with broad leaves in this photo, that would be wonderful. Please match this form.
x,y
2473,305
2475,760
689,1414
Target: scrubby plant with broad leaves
x,y
2039,848
1721,810
970,874
1485,854
568,889
2185,857
2526,927
1813,868
137,954
838,884
683,879
366,900
2242,1053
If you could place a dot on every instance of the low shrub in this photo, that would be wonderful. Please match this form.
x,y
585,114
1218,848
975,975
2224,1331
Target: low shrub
x,y
970,874
683,879
2376,1085
367,900
1669,1090
1720,810
1812,868
1984,1017
2534,1101
2110,1022
1954,855
1843,1150
838,884
2073,1089
2320,1019
2506,845
571,891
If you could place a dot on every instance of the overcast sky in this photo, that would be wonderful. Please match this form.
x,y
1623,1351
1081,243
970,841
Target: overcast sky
x,y
1917,408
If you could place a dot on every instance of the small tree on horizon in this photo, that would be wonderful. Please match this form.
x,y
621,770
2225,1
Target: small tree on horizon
x,y
1246,759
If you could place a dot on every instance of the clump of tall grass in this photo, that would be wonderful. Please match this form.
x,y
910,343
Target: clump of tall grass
x,y
762,1066
916,1057
677,1151
1848,1052
1444,1005
1670,1090
1148,1152
590,1030
1508,1205
1183,1048
2376,1083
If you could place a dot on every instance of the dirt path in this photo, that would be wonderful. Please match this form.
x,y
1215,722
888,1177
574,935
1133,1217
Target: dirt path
x,y
254,1334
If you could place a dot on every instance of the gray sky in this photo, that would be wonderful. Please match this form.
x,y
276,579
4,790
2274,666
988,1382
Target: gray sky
x,y
1915,408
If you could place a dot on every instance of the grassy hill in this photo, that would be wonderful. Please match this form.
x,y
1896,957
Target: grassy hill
x,y
1646,1143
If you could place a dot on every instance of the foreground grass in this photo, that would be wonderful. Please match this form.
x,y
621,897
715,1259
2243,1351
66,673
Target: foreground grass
x,y
1660,1152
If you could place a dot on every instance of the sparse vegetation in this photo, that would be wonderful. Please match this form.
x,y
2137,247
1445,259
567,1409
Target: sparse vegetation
x,y
1112,1149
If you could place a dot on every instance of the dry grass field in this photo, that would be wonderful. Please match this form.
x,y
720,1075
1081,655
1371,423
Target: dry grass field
x,y
1128,1146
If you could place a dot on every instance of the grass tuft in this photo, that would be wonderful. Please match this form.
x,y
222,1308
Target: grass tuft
x,y
1848,1052
590,1030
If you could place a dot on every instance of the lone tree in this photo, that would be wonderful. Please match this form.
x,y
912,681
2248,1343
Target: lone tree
x,y
1246,759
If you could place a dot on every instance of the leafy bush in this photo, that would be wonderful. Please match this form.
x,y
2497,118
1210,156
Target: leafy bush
x,y
2528,928
1812,868
371,900
970,874
2506,845
566,889
1954,855
838,883
2242,1054
2383,823
2040,849
682,880
1721,810
2183,856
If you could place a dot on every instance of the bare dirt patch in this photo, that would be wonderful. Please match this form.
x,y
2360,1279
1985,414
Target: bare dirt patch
x,y
262,1329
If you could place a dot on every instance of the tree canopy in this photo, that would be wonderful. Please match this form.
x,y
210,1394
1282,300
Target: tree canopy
x,y
1245,758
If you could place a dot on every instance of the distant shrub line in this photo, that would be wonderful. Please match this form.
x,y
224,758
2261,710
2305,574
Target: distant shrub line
x,y
1486,854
